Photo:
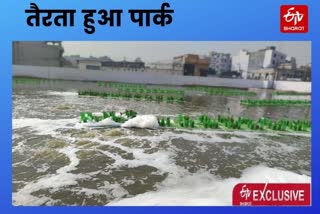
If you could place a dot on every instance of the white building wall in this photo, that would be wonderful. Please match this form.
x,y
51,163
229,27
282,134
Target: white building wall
x,y
273,58
240,63
293,86
268,57
152,77
146,77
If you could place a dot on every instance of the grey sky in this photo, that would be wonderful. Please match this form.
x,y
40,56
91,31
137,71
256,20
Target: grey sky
x,y
162,51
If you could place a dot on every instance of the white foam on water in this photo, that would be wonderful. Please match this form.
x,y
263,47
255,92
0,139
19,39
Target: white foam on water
x,y
200,136
98,114
60,179
62,93
160,159
108,122
142,121
204,189
42,126
179,188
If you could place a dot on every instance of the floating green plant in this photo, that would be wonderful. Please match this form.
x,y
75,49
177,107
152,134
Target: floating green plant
x,y
119,118
25,80
206,122
222,91
275,102
291,93
147,97
240,123
140,88
120,84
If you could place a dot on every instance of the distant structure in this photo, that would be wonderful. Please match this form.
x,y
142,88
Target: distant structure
x,y
74,61
165,66
303,73
266,58
89,64
240,63
258,64
107,64
220,62
48,53
192,65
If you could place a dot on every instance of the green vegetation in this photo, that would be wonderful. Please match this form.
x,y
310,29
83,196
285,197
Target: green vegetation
x,y
151,91
119,118
231,123
291,93
206,122
275,102
26,80
222,91
139,88
138,96
120,85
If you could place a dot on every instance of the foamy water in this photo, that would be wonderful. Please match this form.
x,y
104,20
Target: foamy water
x,y
58,161
203,189
180,186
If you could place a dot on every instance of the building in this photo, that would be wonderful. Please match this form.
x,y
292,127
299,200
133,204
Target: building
x,y
192,65
106,64
168,67
48,53
289,64
250,62
89,64
284,72
307,72
264,74
125,65
160,65
240,63
220,62
266,58
303,73
77,61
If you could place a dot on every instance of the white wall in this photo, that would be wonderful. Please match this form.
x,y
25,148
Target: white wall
x,y
146,77
269,57
292,86
240,62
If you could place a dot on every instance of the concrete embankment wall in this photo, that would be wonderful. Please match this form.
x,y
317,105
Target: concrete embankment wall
x,y
292,86
151,77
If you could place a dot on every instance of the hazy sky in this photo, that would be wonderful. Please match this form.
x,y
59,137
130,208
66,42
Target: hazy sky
x,y
162,51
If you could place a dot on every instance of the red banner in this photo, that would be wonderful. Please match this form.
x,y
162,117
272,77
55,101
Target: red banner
x,y
271,194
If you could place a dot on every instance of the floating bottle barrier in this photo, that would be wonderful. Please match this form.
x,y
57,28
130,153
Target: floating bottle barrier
x,y
120,84
275,102
21,80
207,122
222,91
231,123
147,97
291,93
140,88
119,118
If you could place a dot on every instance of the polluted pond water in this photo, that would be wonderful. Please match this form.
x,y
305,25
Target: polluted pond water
x,y
70,149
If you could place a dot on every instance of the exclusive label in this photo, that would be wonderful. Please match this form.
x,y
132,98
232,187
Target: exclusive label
x,y
294,19
271,194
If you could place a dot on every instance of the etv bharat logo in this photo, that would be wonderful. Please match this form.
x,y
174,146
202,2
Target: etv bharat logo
x,y
294,18
271,194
